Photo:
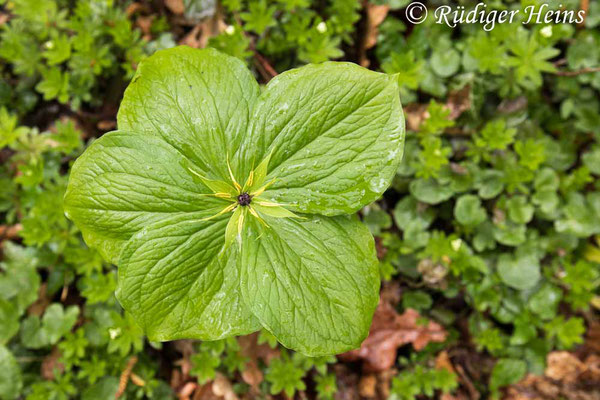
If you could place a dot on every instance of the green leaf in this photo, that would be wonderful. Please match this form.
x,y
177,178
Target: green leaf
x,y
509,234
445,62
204,365
10,375
507,371
9,321
334,151
56,322
260,16
520,272
519,210
198,101
105,389
57,50
430,191
20,282
417,299
591,159
126,181
409,214
405,67
55,85
489,184
580,218
377,220
545,301
177,283
285,376
567,332
468,210
313,283
125,335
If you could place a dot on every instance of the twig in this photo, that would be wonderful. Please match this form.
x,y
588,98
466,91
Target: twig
x,y
124,379
584,6
137,380
264,63
65,291
578,72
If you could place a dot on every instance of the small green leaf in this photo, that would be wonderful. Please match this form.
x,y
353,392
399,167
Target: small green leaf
x,y
507,371
56,322
430,191
105,389
545,301
520,272
285,376
10,375
519,210
9,321
468,210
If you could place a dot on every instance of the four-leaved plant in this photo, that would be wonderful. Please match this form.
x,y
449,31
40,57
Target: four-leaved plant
x,y
227,209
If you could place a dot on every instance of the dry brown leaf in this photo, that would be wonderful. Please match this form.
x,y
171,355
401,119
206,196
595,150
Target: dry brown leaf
x,y
384,382
391,292
222,387
459,101
200,34
9,232
592,368
186,348
192,39
50,363
389,331
563,366
133,8
347,382
205,392
250,348
375,14
414,115
566,377
448,396
592,337
252,375
367,385
187,390
145,25
107,124
176,379
176,6
442,361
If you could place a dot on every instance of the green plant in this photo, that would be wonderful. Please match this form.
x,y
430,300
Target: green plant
x,y
409,384
202,160
67,52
